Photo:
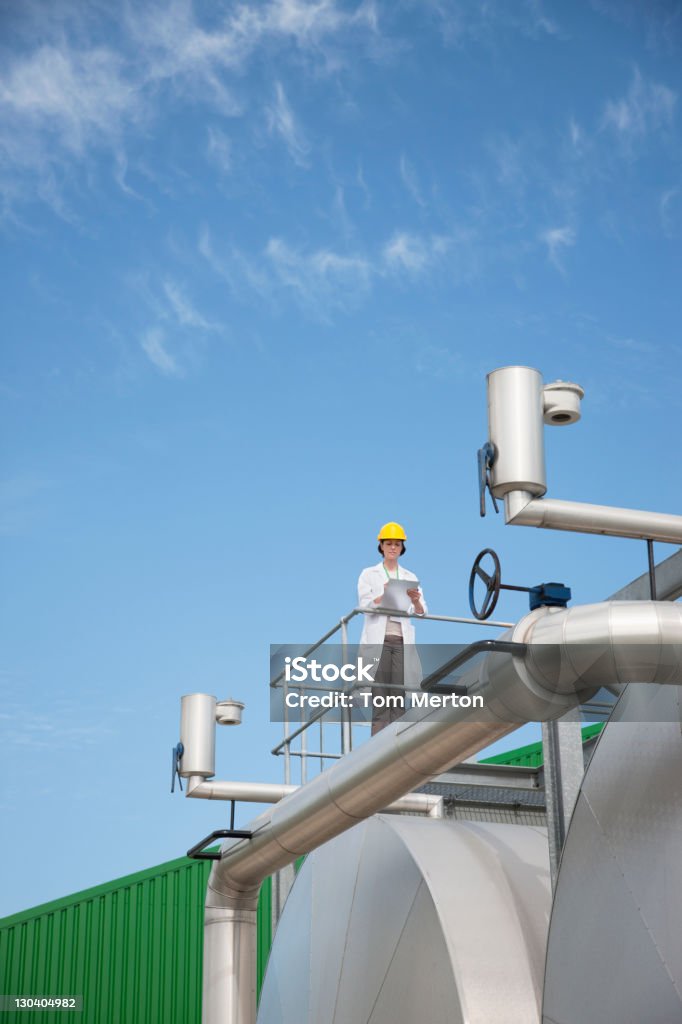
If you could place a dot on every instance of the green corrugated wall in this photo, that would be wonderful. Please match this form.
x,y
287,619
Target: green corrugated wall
x,y
530,756
132,948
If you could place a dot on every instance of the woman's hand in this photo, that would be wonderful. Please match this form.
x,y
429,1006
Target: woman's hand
x,y
378,600
415,598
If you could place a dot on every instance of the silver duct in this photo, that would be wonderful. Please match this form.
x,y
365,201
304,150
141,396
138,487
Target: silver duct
x,y
519,406
571,653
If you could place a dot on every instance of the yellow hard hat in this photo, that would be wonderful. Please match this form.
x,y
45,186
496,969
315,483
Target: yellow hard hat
x,y
391,531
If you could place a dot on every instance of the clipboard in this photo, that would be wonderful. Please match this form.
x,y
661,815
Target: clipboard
x,y
395,595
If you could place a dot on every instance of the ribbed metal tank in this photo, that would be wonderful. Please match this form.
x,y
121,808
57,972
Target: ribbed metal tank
x,y
403,920
132,948
614,952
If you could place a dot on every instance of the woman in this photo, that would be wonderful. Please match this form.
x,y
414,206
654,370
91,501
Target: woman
x,y
391,637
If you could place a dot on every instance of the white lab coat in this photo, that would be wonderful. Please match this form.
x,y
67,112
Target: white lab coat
x,y
371,586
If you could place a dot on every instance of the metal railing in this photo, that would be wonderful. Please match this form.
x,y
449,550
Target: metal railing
x,y
303,753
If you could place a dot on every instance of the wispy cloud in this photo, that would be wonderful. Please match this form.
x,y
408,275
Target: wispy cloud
x,y
410,180
644,348
185,313
658,22
219,149
410,253
538,22
59,729
321,279
435,361
557,240
647,106
65,97
283,123
576,135
153,342
171,341
480,21
241,274
666,209
508,155
182,50
362,185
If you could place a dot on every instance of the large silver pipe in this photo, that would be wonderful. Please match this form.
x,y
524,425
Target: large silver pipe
x,y
636,640
273,792
230,949
522,509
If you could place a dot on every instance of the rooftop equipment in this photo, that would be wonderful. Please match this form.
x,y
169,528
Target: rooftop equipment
x,y
512,463
556,658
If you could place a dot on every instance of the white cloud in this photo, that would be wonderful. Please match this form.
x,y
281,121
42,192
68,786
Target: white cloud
x,y
480,20
410,253
120,175
645,348
219,149
154,347
67,96
648,106
666,209
234,268
177,325
576,134
362,185
321,279
509,158
183,310
283,123
539,22
556,240
410,180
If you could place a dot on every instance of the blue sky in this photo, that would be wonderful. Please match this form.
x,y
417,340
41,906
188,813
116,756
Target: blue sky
x,y
256,263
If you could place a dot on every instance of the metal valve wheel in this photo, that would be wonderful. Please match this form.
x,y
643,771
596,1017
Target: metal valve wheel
x,y
492,584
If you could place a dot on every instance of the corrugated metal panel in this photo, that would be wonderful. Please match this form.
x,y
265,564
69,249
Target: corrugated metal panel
x,y
132,948
530,756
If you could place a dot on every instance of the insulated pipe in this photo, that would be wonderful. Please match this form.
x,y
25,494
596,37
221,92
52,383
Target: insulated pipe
x,y
272,793
571,653
521,509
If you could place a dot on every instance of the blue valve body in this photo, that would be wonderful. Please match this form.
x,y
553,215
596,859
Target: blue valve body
x,y
549,595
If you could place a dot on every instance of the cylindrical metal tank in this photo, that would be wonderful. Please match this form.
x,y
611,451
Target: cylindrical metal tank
x,y
404,920
197,735
615,940
516,430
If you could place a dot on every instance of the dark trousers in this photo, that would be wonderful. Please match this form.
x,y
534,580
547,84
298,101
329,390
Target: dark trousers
x,y
390,673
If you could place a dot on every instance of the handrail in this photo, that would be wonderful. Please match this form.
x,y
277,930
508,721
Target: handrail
x,y
378,610
284,746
